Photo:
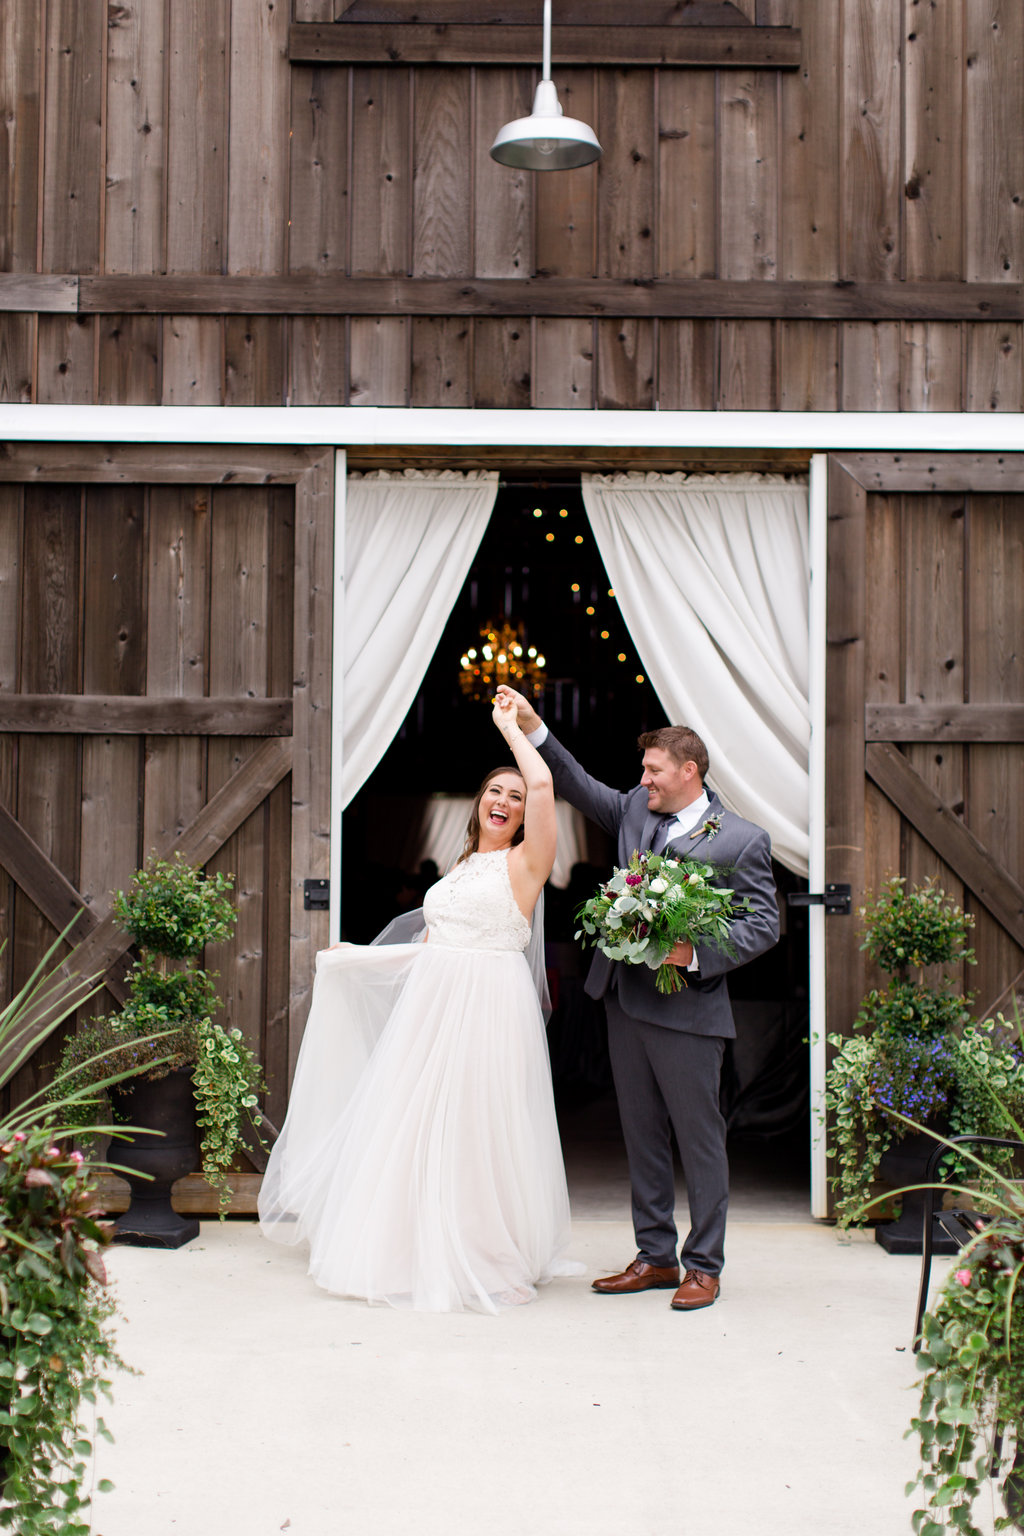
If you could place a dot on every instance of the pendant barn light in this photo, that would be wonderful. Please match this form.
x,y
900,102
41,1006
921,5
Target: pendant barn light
x,y
546,140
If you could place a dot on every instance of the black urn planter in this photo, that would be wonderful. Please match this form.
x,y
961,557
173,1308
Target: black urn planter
x,y
906,1162
168,1105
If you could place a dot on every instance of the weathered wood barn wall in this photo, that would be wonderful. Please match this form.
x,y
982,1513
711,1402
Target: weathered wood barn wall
x,y
806,237
803,205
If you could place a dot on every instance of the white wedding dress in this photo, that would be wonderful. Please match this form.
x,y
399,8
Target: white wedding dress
x,y
420,1157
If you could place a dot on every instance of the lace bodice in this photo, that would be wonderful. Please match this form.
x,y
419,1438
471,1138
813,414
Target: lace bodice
x,y
473,906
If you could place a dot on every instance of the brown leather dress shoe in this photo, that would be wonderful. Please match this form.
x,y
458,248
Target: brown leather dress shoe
x,y
698,1289
638,1276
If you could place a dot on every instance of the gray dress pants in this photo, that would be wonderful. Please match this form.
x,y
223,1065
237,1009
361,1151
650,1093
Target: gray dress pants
x,y
668,1080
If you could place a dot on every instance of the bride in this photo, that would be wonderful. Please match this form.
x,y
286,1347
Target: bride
x,y
420,1157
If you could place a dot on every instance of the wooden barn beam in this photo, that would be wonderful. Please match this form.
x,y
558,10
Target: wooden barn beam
x,y
999,474
944,722
572,13
36,291
665,298
681,47
979,869
121,714
137,464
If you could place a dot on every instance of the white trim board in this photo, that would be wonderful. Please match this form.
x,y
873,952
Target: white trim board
x,y
816,431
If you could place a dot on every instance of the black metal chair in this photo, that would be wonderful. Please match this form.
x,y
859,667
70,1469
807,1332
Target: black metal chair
x,y
961,1225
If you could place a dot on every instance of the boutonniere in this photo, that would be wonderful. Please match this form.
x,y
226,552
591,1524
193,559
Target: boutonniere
x,y
708,828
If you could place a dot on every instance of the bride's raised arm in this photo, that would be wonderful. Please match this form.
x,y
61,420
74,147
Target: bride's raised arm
x,y
530,863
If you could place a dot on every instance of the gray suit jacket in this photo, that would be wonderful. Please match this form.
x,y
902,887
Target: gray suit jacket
x,y
744,851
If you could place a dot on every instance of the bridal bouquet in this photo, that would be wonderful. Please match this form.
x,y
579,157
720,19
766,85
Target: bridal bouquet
x,y
656,902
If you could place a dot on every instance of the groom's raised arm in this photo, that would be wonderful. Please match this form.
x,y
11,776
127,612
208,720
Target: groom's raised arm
x,y
601,803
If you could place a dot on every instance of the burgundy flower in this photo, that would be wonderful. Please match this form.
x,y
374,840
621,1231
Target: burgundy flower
x,y
634,879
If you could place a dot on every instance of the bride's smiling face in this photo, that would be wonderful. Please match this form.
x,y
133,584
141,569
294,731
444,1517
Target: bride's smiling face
x,y
501,809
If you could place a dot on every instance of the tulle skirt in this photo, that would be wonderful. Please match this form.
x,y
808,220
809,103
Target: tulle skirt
x,y
420,1158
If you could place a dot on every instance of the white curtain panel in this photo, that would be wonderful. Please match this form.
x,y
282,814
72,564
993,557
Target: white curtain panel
x,y
410,537
712,575
444,832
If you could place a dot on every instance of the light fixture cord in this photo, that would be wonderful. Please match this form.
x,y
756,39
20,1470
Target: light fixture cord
x,y
547,40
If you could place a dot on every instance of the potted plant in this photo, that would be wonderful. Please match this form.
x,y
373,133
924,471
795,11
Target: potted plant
x,y
206,1079
970,1423
917,1056
56,1344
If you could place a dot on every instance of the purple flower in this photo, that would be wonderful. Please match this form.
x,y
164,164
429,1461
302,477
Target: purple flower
x,y
634,879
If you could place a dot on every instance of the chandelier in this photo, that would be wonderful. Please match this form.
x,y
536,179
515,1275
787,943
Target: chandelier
x,y
502,657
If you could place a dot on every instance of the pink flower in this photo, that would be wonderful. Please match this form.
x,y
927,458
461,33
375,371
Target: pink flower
x,y
634,879
964,1276
19,1136
76,1157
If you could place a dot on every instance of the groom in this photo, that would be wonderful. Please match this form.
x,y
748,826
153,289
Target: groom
x,y
666,1051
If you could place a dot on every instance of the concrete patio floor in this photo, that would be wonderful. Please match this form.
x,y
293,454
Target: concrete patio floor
x,y
266,1405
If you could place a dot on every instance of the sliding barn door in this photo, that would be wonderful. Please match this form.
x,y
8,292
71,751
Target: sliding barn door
x,y
926,701
165,685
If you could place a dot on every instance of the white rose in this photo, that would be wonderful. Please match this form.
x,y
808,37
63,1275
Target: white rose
x,y
657,886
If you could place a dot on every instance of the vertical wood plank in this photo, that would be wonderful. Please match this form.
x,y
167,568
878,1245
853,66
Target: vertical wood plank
x,y
870,153
129,360
870,366
65,353
931,369
319,194
686,365
844,737
933,93
563,376
995,357
995,674
502,196
254,360
381,171
311,775
193,363
442,216
883,681
809,189
73,179
258,125
747,365
21,55
48,766
135,202
440,361
626,172
178,593
10,640
379,368
748,190
276,938
318,360
17,350
994,149
197,136
808,365
501,364
565,215
113,662
625,365
933,562
687,245
239,618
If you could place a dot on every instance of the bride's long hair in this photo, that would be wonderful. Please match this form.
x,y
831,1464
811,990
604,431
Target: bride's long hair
x,y
472,843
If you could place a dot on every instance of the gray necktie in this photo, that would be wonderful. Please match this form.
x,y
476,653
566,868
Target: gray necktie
x,y
659,841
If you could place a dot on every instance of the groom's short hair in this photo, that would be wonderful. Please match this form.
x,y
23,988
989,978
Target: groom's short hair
x,y
681,744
